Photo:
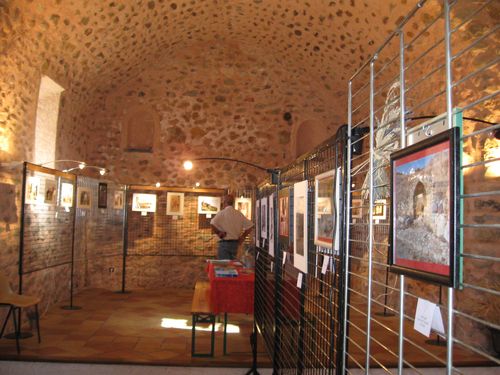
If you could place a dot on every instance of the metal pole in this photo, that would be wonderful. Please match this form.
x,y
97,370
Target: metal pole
x,y
402,111
370,224
449,117
124,241
70,306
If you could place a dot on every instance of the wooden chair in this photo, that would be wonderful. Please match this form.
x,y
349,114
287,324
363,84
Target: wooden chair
x,y
16,302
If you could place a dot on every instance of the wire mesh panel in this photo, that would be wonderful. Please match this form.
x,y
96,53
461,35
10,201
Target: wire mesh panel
x,y
47,233
302,308
99,233
440,67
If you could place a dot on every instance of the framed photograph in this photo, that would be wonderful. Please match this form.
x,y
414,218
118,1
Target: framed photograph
x,y
102,195
144,202
263,218
244,205
175,204
118,199
32,189
379,209
257,222
50,191
284,212
425,209
300,226
327,212
66,194
208,205
271,224
84,198
357,208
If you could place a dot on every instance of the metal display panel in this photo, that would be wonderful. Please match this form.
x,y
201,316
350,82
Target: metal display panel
x,y
438,61
298,313
158,234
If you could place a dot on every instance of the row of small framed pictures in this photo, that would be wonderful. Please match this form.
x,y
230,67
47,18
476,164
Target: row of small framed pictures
x,y
44,190
143,202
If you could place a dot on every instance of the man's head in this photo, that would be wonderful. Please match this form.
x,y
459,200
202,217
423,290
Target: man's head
x,y
228,200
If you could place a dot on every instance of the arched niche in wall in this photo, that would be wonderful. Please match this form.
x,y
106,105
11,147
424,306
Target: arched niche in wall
x,y
307,135
140,129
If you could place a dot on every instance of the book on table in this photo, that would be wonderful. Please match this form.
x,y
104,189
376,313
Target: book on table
x,y
225,272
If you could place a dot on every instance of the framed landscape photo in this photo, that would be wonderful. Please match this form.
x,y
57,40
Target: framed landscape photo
x,y
425,184
244,205
357,208
144,202
380,209
50,191
84,199
118,199
102,195
66,194
175,204
208,205
326,214
32,189
300,226
283,212
263,218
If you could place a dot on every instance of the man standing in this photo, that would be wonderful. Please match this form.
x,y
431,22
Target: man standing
x,y
232,227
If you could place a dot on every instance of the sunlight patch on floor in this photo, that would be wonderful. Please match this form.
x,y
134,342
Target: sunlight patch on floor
x,y
182,324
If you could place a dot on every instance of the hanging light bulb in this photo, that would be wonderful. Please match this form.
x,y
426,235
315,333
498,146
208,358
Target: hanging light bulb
x,y
102,171
197,184
188,165
157,184
81,165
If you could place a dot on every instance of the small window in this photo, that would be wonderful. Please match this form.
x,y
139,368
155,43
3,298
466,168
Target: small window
x,y
47,115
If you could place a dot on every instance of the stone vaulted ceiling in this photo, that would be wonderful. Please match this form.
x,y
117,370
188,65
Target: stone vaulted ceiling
x,y
245,63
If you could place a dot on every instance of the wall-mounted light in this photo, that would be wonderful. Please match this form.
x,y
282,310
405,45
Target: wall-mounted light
x,y
157,184
80,165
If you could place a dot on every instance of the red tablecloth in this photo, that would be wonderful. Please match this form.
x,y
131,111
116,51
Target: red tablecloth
x,y
232,294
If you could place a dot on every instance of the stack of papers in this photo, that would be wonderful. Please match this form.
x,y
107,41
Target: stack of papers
x,y
225,272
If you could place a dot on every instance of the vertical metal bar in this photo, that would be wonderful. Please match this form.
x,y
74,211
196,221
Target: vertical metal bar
x,y
370,225
449,117
345,301
125,240
402,112
21,229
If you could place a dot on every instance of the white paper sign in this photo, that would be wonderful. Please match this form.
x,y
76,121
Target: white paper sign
x,y
427,317
299,280
144,213
326,261
284,257
272,266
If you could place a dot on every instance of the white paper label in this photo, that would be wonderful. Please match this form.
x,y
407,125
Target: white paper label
x,y
427,316
326,261
174,217
209,216
144,213
299,280
284,257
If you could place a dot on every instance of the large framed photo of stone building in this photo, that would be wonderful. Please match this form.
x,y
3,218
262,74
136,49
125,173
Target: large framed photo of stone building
x,y
425,184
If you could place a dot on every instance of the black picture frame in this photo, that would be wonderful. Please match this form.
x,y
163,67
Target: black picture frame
x,y
102,195
425,206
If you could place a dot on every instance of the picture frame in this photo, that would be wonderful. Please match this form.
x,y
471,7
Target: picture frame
x,y
118,199
102,195
84,198
300,226
66,198
32,189
263,218
257,223
425,184
244,205
208,205
380,209
271,224
284,213
327,209
175,204
357,208
50,194
144,202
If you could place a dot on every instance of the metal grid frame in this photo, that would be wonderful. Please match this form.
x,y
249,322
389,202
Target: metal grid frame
x,y
301,326
435,65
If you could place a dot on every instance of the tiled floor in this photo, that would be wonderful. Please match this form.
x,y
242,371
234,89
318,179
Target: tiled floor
x,y
133,328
